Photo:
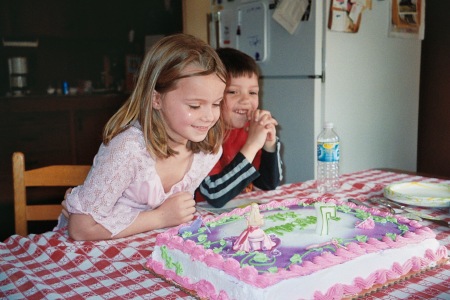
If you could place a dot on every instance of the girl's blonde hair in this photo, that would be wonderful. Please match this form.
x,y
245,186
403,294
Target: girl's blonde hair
x,y
163,66
255,218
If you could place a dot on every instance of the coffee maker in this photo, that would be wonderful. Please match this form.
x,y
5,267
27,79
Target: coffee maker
x,y
18,75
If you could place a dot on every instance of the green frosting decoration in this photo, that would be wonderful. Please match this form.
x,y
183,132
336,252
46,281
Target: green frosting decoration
x,y
361,238
169,262
344,208
297,222
256,259
186,234
392,236
224,220
202,238
296,259
361,214
403,228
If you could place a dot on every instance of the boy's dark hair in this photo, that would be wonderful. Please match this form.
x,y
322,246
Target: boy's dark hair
x,y
238,63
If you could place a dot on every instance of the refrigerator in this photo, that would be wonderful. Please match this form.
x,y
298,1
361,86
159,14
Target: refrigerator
x,y
366,83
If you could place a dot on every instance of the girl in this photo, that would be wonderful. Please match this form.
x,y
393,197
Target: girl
x,y
157,148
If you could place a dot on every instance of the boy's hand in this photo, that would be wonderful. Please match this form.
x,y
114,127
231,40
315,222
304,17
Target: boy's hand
x,y
177,209
266,119
261,133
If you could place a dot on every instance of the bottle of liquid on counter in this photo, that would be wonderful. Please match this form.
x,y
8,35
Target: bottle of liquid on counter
x,y
65,88
328,154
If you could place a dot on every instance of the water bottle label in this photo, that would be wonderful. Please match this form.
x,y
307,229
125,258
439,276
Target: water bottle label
x,y
328,152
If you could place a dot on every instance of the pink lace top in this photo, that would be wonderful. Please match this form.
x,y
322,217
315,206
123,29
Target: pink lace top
x,y
123,181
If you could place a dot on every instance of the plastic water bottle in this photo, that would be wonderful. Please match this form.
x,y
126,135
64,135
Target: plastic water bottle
x,y
328,159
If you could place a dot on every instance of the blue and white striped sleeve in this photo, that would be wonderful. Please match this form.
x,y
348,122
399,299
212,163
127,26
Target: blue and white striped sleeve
x,y
220,188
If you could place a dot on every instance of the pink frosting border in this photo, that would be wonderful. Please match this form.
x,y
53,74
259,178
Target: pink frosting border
x,y
250,275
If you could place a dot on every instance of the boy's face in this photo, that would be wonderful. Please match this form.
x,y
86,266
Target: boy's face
x,y
240,100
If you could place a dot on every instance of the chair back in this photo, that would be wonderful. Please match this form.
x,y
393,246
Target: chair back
x,y
49,176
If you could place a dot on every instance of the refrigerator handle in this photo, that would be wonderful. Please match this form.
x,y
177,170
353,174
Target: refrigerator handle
x,y
322,77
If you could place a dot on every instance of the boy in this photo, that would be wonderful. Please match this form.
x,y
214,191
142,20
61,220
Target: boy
x,y
251,149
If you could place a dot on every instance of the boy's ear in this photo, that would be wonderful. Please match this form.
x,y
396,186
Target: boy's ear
x,y
156,100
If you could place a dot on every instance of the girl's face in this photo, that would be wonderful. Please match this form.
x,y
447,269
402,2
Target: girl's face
x,y
190,110
241,99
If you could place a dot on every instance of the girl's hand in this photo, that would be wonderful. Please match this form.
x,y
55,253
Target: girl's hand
x,y
65,212
177,209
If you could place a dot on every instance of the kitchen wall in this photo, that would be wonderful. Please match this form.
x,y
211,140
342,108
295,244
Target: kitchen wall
x,y
195,18
373,95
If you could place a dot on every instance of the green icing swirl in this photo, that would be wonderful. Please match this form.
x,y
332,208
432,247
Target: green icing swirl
x,y
169,261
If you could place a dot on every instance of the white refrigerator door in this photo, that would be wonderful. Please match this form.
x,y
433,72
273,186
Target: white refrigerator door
x,y
249,27
286,61
292,54
291,102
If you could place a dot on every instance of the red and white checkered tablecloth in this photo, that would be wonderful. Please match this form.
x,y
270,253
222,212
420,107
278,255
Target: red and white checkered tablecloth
x,y
52,266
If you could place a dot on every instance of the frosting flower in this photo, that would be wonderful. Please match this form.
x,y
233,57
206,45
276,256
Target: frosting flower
x,y
368,223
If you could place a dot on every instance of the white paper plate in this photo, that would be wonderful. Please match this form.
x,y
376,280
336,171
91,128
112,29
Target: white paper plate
x,y
419,193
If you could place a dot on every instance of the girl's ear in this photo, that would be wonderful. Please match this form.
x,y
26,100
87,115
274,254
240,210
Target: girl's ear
x,y
156,100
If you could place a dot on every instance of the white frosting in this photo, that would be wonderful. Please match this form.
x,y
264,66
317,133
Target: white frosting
x,y
302,287
347,272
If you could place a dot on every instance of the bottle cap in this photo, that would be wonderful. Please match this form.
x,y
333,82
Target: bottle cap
x,y
328,125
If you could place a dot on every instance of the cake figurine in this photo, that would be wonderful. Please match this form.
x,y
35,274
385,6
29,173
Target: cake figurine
x,y
196,224
253,238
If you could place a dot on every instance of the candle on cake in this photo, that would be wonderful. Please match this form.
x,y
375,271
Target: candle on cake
x,y
324,212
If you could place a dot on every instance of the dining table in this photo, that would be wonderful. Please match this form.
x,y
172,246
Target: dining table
x,y
53,266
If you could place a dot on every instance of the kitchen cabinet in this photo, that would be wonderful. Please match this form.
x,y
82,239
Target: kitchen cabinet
x,y
433,155
51,130
85,19
27,18
88,133
74,37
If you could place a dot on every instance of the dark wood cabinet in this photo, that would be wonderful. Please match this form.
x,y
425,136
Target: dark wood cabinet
x,y
51,130
433,153
42,137
27,18
75,37
88,129
86,19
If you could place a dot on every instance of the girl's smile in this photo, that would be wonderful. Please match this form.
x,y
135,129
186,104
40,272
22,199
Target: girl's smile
x,y
192,108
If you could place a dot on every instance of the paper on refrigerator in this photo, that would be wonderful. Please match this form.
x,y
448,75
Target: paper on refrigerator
x,y
289,13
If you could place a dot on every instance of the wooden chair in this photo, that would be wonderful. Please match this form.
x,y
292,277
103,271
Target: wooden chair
x,y
50,176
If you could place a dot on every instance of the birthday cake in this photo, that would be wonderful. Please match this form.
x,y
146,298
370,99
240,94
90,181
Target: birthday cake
x,y
301,250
